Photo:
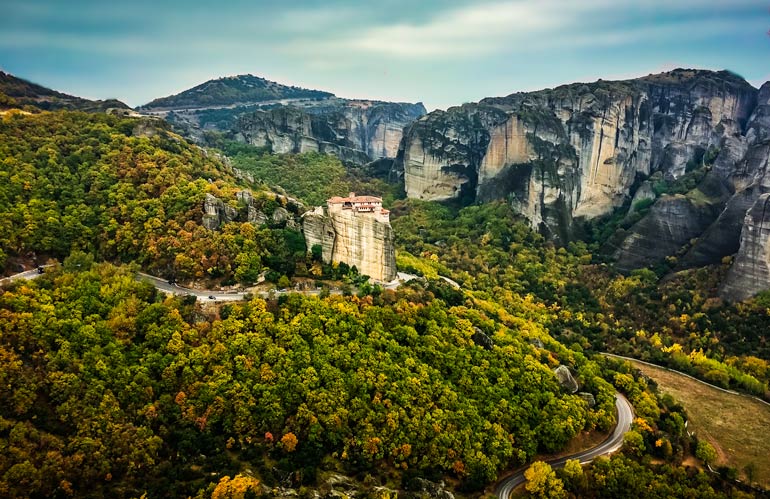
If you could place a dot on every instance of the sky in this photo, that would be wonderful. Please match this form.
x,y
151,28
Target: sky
x,y
439,52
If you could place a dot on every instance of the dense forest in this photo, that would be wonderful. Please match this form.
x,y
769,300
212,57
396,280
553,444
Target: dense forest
x,y
129,190
675,321
114,389
108,382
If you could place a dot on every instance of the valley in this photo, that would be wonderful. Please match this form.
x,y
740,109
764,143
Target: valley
x,y
358,298
733,424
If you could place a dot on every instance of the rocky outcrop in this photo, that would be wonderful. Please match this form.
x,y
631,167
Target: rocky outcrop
x,y
355,131
565,378
288,119
481,339
671,223
420,488
363,240
216,213
574,151
740,170
247,208
750,273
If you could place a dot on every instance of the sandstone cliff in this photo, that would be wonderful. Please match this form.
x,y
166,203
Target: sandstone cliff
x,y
737,178
356,131
750,273
288,119
574,151
358,239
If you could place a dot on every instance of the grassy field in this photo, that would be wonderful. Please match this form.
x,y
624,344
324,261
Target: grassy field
x,y
738,427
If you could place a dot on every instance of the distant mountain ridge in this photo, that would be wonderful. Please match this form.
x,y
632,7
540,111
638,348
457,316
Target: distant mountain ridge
x,y
26,93
237,90
288,119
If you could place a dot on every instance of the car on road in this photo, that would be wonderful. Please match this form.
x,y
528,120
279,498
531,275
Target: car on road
x,y
212,297
40,270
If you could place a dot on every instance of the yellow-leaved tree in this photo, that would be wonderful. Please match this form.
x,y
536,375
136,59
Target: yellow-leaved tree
x,y
235,488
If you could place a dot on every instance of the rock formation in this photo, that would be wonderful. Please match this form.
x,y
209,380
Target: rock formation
x,y
354,130
750,273
670,224
216,213
356,230
574,151
288,119
566,380
246,208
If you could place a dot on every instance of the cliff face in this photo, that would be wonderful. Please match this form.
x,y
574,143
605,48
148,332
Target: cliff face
x,y
356,131
247,208
288,119
736,180
574,151
750,272
361,239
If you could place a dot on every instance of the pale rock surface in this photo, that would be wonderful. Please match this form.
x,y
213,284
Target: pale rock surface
x,y
356,131
565,378
216,213
573,152
362,240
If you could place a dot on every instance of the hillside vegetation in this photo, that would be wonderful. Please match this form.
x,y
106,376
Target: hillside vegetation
x,y
113,389
127,190
234,90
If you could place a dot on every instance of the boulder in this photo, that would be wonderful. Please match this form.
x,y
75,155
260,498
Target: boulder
x,y
255,216
280,216
420,488
565,378
216,213
481,339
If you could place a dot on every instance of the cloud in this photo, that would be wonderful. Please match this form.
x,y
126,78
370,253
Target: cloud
x,y
515,26
469,30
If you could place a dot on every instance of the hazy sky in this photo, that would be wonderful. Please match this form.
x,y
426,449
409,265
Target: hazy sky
x,y
441,52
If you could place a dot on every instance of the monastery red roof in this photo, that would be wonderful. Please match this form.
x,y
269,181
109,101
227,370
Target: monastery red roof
x,y
354,199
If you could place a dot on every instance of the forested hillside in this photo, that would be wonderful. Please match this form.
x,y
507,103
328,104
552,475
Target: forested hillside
x,y
677,321
127,190
114,390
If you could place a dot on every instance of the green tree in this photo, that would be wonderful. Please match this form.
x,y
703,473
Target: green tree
x,y
542,481
705,452
573,474
284,282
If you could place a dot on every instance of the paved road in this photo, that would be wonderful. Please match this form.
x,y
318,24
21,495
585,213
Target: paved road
x,y
613,443
29,274
215,295
203,294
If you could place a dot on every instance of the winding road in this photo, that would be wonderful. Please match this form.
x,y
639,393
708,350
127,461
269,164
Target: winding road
x,y
613,443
